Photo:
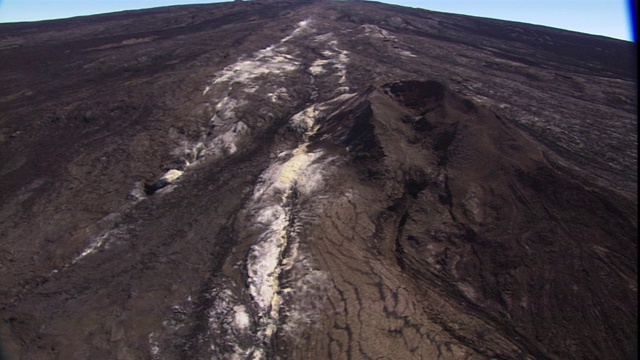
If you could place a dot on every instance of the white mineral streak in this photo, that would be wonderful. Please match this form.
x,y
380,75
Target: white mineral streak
x,y
226,143
267,61
226,111
241,319
277,248
304,120
265,262
406,53
263,265
302,171
94,244
154,347
104,238
280,94
376,32
246,75
269,207
229,323
272,60
334,59
317,68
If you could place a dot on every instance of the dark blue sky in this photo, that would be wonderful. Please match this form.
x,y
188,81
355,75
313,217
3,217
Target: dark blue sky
x,y
601,17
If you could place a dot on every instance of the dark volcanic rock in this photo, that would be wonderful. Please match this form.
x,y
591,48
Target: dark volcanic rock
x,y
315,180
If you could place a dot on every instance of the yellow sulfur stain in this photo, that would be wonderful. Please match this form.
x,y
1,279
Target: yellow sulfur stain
x,y
291,169
172,175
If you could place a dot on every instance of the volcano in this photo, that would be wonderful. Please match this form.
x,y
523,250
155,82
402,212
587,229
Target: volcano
x,y
315,180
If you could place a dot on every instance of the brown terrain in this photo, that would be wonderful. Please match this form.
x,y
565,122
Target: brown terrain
x,y
315,180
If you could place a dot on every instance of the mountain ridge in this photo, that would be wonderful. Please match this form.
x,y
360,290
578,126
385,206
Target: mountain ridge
x,y
317,180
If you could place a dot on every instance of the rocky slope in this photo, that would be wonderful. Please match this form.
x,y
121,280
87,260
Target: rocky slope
x,y
315,180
